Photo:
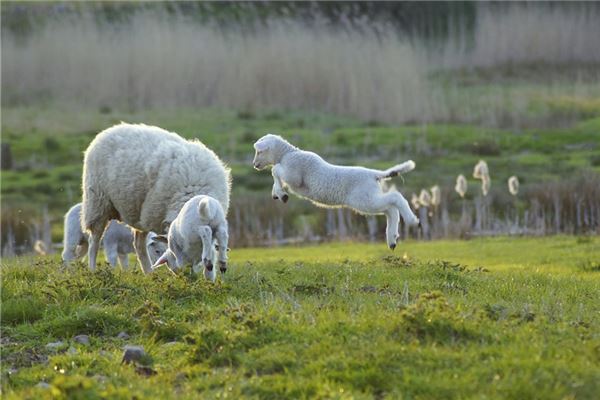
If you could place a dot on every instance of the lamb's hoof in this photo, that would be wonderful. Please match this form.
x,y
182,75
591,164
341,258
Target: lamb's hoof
x,y
392,246
284,198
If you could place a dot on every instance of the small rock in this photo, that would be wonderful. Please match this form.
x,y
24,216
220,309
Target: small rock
x,y
43,385
169,344
72,350
55,345
133,354
123,335
82,339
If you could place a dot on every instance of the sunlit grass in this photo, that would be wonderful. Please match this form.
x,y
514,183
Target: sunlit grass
x,y
496,318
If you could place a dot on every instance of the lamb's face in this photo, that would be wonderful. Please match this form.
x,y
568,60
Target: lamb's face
x,y
167,258
156,245
264,156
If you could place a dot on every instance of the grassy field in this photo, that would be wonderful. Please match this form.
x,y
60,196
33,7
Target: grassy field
x,y
488,318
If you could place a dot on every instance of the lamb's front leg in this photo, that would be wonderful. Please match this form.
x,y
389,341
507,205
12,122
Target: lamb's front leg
x,y
222,238
278,192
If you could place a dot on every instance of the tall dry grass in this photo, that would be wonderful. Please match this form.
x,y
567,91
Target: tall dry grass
x,y
163,60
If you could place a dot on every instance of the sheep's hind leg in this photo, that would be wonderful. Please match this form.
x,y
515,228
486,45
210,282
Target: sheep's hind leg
x,y
139,243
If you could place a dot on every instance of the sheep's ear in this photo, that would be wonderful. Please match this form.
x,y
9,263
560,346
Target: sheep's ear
x,y
163,259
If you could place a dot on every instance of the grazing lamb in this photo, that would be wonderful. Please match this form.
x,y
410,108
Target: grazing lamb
x,y
309,176
191,237
117,240
143,175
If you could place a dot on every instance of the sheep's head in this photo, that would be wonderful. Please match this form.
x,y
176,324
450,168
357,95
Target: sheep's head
x,y
266,151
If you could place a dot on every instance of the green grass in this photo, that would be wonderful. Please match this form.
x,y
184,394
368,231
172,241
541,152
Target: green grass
x,y
488,318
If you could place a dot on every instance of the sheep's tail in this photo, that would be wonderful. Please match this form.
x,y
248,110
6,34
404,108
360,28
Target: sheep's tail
x,y
397,170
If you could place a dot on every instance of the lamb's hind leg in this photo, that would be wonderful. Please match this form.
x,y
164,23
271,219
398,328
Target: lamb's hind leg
x,y
380,203
407,215
391,232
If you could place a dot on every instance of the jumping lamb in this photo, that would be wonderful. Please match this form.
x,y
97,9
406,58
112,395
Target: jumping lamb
x,y
192,236
117,240
309,176
143,175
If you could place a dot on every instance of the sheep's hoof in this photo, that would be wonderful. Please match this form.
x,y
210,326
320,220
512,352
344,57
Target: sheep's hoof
x,y
284,198
392,246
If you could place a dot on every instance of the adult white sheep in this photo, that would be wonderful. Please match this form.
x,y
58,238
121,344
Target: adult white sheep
x,y
309,176
143,175
192,236
117,240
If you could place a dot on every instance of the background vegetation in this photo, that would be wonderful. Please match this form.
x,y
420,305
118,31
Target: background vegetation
x,y
368,83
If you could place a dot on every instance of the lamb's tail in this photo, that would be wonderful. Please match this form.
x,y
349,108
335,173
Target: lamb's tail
x,y
397,170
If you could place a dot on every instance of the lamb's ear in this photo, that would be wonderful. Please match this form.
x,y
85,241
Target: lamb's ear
x,y
204,209
160,238
261,145
162,260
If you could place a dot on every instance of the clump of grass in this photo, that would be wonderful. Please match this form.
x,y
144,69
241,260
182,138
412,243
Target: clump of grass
x,y
432,318
26,309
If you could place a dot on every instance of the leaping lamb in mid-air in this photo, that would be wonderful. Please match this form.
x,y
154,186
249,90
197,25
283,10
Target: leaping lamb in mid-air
x,y
309,176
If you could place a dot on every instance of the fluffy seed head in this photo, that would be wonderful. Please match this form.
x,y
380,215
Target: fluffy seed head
x,y
424,198
415,201
461,185
486,183
481,170
513,185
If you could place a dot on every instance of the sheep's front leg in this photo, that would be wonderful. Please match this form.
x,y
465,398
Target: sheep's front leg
x,y
139,243
278,192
